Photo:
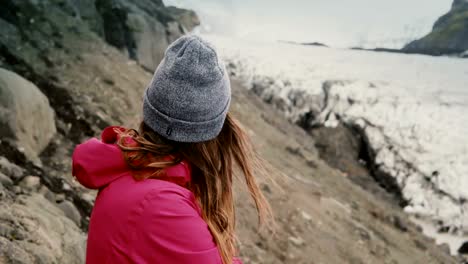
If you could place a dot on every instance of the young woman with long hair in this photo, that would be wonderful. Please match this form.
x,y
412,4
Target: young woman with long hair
x,y
166,189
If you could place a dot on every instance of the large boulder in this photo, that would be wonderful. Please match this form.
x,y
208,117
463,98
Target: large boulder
x,y
449,34
25,114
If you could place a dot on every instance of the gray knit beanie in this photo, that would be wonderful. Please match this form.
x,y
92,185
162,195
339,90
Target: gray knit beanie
x,y
189,95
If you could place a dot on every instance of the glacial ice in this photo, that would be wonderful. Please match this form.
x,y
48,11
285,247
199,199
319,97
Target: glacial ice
x,y
413,110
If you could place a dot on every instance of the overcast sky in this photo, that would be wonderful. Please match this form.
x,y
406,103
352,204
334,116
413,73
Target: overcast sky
x,y
340,23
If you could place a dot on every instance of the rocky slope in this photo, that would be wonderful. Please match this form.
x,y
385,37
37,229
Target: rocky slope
x,y
449,34
76,79
61,82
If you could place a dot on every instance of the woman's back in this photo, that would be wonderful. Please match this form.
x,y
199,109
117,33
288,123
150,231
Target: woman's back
x,y
150,221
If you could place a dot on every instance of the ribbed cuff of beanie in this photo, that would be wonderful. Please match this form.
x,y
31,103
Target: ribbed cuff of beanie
x,y
181,130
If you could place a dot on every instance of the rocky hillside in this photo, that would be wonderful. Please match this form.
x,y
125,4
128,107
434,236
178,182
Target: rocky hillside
x,y
70,68
142,29
449,34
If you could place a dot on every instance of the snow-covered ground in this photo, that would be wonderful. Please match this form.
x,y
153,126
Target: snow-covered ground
x,y
412,108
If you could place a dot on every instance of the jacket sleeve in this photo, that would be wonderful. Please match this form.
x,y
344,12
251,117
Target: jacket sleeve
x,y
171,230
95,164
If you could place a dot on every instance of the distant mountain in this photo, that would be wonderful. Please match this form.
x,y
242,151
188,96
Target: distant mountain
x,y
449,34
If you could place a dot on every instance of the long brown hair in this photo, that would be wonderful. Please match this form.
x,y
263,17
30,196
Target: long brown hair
x,y
213,164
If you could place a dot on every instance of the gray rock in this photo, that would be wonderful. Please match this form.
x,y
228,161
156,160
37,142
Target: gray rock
x,y
88,198
25,114
30,183
48,194
11,170
60,197
66,187
70,211
5,180
17,189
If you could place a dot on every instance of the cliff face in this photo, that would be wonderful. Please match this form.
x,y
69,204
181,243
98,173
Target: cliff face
x,y
142,29
449,34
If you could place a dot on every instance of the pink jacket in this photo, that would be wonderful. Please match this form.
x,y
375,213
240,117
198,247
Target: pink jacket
x,y
150,221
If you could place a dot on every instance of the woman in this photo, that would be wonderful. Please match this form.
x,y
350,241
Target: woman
x,y
165,191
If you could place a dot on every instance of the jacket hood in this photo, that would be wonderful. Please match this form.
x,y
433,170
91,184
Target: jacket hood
x,y
96,163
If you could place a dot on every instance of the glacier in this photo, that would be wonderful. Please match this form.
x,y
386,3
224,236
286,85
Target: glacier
x,y
413,110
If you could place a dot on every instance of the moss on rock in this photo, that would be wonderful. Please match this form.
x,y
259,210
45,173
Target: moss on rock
x,y
449,35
